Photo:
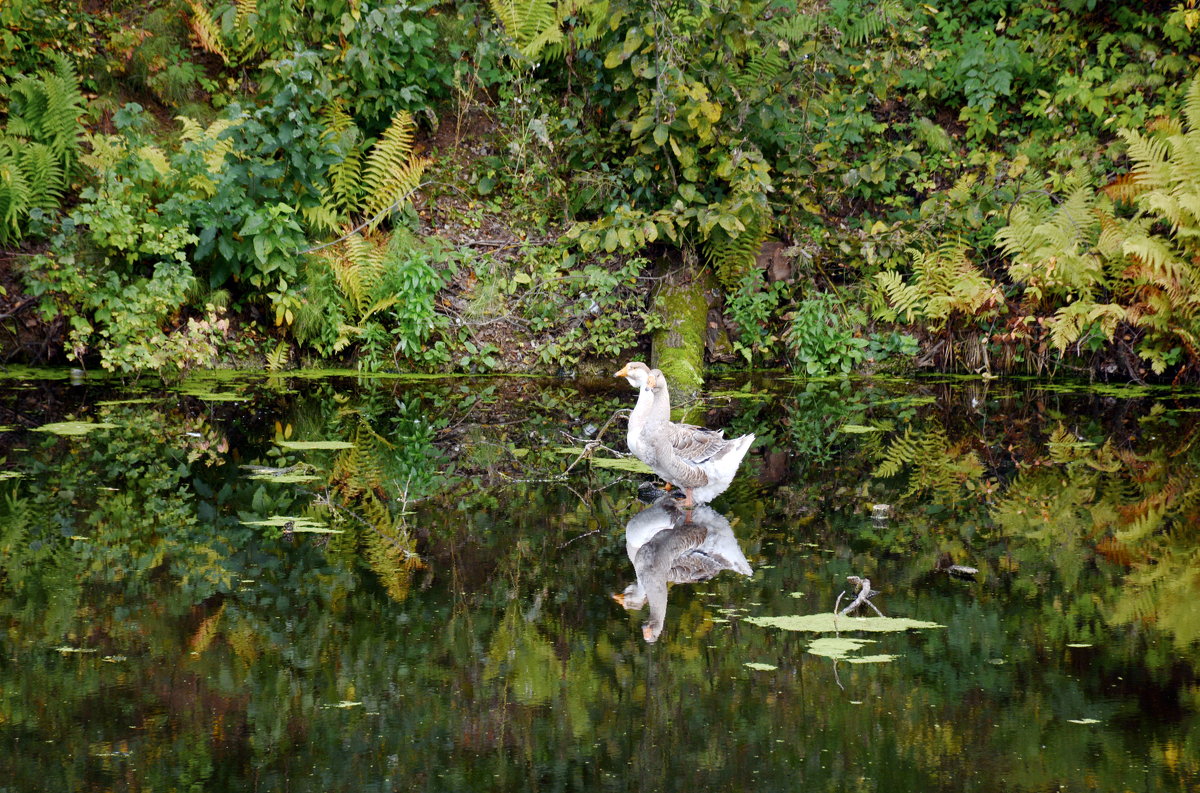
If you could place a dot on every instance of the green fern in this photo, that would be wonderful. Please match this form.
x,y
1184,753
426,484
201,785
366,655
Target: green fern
x,y
532,24
872,21
39,146
795,29
934,465
580,22
733,255
761,71
944,282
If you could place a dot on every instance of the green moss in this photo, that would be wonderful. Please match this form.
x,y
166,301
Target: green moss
x,y
678,348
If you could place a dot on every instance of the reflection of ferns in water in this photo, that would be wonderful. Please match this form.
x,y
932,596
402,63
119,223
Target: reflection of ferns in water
x,y
934,465
360,480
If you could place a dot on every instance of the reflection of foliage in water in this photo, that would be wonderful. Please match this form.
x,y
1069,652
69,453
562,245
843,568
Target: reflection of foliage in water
x,y
506,666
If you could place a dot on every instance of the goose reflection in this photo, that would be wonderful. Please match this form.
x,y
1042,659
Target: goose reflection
x,y
669,545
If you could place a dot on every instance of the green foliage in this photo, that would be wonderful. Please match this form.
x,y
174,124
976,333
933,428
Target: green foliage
x,y
390,57
824,336
752,308
384,299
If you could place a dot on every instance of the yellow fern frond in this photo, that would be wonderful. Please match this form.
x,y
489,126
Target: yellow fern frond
x,y
392,172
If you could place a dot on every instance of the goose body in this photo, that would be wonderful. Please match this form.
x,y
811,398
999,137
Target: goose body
x,y
699,461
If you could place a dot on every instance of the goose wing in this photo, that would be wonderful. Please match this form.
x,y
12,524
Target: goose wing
x,y
693,567
694,444
675,467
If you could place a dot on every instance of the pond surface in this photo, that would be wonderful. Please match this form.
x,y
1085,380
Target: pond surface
x,y
371,584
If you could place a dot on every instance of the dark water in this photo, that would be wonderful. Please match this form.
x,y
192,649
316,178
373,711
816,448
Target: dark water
x,y
459,632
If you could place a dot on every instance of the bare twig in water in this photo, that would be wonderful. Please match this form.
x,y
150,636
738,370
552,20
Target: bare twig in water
x,y
580,537
865,593
594,443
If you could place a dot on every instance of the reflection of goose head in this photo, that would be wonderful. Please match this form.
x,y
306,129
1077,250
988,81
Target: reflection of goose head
x,y
669,546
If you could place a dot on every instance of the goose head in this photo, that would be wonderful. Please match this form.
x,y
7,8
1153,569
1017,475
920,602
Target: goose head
x,y
636,372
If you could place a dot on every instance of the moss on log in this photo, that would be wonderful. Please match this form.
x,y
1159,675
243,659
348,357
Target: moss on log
x,y
678,347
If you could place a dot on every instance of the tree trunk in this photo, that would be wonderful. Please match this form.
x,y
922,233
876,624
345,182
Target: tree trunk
x,y
678,348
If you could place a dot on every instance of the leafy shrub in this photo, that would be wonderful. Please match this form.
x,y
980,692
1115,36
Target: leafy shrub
x,y
824,336
378,293
752,308
390,58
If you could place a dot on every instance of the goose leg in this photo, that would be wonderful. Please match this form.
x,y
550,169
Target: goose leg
x,y
688,502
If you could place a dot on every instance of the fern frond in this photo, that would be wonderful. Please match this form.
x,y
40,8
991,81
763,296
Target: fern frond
x,y
392,172
581,23
1124,188
733,255
872,21
1191,104
44,176
530,23
761,71
206,31
795,29
14,196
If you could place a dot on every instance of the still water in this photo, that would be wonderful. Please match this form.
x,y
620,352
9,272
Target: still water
x,y
338,583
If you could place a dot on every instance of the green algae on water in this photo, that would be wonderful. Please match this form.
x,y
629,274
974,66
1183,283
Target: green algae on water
x,y
283,478
839,648
760,667
628,464
828,622
74,428
305,445
299,525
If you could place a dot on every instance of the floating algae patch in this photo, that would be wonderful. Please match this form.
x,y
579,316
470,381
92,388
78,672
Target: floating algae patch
x,y
74,428
739,395
305,445
757,667
828,622
215,396
299,525
630,464
138,401
10,475
1078,644
31,373
858,429
65,650
283,478
1084,721
301,472
840,648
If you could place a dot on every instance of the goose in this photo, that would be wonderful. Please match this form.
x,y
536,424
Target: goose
x,y
667,547
699,461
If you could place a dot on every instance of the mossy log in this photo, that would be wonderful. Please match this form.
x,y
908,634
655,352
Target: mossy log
x,y
678,347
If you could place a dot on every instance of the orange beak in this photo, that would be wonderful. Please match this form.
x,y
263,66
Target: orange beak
x,y
620,598
624,371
